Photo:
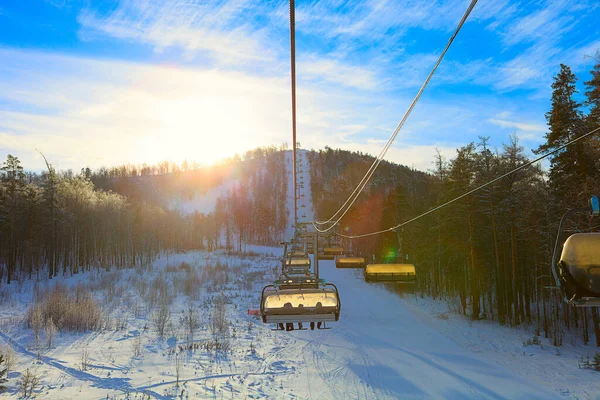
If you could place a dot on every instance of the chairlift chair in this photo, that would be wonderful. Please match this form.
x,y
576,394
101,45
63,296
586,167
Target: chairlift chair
x,y
329,253
287,303
577,272
297,266
392,273
349,262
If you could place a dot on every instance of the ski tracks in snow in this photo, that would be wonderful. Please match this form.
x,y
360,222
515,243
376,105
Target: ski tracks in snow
x,y
118,384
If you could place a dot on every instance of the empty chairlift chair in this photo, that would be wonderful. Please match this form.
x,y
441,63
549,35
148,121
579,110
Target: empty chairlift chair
x,y
329,253
297,266
349,262
289,302
393,273
577,272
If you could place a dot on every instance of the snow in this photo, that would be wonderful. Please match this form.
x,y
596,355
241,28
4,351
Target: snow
x,y
203,202
305,210
386,345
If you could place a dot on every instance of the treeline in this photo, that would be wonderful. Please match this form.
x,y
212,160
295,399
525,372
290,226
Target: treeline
x,y
254,210
491,251
61,222
166,180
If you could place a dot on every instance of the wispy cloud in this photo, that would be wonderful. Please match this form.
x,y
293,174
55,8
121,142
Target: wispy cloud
x,y
518,125
219,29
336,72
359,65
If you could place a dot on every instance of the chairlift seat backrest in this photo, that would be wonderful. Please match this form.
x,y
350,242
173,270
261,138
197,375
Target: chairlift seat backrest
x,y
333,251
298,262
349,262
581,257
390,272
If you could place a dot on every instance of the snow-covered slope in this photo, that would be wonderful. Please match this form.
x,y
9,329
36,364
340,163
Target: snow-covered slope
x,y
380,349
203,202
305,211
383,347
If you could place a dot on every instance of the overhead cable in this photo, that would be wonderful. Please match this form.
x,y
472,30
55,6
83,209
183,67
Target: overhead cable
x,y
359,188
527,164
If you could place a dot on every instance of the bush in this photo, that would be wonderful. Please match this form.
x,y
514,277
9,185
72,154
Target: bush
x,y
71,312
594,363
28,384
3,373
533,341
9,357
218,325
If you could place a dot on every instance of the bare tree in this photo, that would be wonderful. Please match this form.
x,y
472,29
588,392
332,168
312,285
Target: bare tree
x,y
36,323
136,346
191,321
85,359
50,331
160,319
10,357
178,366
218,320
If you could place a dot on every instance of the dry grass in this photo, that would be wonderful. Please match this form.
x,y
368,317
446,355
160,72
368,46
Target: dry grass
x,y
70,311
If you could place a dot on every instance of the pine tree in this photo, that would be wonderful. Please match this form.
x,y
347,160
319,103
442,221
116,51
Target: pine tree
x,y
593,95
593,118
3,371
13,179
570,167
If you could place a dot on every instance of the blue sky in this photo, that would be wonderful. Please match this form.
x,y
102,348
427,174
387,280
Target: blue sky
x,y
92,83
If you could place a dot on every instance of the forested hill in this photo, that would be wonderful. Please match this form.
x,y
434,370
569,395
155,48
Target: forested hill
x,y
335,174
242,197
489,253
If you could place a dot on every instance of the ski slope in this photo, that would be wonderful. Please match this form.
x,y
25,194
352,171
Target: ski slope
x,y
203,202
383,347
305,210
380,349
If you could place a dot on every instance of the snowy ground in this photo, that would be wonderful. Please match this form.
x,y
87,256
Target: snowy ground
x,y
384,346
305,211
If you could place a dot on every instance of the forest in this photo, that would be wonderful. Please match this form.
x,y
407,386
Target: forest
x,y
61,223
489,253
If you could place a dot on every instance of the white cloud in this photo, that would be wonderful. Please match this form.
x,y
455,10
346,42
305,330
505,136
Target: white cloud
x,y
353,88
336,72
518,125
88,112
217,29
